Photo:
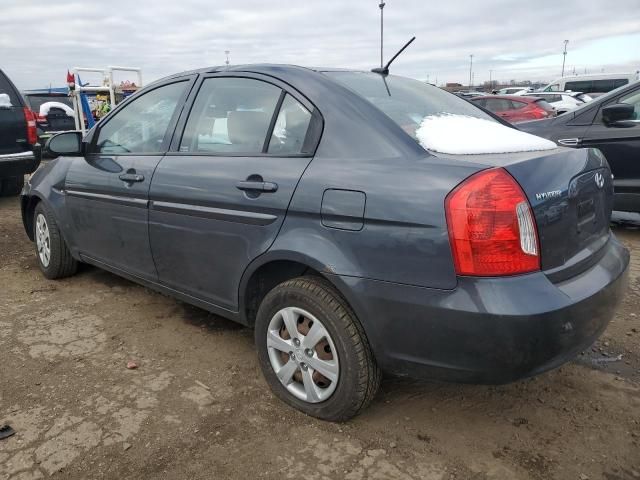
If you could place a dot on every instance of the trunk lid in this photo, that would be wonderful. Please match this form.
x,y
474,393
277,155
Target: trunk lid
x,y
571,194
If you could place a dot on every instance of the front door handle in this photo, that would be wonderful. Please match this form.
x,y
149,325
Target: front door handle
x,y
250,186
131,177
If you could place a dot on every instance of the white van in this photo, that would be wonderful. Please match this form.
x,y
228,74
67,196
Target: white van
x,y
593,83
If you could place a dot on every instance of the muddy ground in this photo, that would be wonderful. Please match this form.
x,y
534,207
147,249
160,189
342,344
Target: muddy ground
x,y
198,408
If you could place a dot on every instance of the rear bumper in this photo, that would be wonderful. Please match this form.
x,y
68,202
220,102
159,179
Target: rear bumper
x,y
489,330
15,164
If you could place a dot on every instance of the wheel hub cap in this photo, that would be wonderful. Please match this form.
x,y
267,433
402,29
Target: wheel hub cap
x,y
302,355
43,240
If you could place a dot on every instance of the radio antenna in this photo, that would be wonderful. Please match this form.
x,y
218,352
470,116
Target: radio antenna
x,y
385,70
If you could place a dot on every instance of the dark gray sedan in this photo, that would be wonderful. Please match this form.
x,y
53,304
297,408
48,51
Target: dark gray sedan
x,y
362,223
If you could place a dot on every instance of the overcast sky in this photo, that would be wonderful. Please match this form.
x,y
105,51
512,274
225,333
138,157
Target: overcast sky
x,y
40,39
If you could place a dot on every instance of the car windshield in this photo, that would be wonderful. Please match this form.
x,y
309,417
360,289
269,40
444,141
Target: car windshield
x,y
406,101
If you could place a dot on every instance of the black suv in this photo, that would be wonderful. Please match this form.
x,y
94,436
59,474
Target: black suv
x,y
19,148
610,123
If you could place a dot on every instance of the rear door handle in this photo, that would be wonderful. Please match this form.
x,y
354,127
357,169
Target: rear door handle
x,y
257,186
131,177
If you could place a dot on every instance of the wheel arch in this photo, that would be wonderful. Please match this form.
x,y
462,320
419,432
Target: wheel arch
x,y
273,268
28,207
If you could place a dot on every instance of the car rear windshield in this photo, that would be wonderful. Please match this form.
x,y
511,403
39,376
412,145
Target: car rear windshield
x,y
8,95
36,101
544,105
406,101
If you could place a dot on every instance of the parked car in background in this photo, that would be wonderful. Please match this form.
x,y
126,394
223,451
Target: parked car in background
x,y
562,102
19,148
513,91
591,83
469,93
53,111
610,123
516,108
361,223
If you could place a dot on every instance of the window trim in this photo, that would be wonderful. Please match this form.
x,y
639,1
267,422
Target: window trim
x,y
94,134
316,125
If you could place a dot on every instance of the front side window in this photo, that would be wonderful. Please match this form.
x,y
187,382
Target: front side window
x,y
633,99
406,101
230,115
141,125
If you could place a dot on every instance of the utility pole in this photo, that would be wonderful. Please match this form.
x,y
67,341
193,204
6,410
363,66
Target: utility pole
x,y
470,69
564,56
381,5
427,78
491,79
227,52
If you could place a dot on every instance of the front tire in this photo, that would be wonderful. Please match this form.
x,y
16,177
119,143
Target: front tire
x,y
54,258
313,351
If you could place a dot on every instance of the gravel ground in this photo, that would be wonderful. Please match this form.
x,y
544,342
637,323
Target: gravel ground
x,y
198,408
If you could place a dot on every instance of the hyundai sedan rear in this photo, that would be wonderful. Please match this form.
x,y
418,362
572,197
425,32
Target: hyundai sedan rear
x,y
360,223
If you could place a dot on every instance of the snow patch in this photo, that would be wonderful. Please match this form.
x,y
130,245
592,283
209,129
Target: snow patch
x,y
465,135
5,101
47,106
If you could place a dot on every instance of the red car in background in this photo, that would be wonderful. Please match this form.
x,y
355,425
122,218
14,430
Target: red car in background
x,y
516,108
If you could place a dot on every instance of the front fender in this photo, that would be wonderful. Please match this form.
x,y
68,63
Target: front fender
x,y
47,185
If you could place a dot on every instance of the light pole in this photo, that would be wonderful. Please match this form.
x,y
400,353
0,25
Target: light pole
x,y
470,69
491,79
381,5
227,52
564,56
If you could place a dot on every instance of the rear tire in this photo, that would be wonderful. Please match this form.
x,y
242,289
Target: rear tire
x,y
11,186
54,258
341,350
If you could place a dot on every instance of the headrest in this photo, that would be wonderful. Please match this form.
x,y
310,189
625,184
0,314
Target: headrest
x,y
247,128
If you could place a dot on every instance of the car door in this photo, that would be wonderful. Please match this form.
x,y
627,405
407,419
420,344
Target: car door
x,y
620,144
107,191
220,196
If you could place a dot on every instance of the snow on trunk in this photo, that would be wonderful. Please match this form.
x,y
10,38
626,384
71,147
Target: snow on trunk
x,y
465,135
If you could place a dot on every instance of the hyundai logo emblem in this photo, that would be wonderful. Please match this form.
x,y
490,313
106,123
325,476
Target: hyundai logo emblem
x,y
599,179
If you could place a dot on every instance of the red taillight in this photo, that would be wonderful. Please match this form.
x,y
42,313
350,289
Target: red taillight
x,y
39,118
491,227
32,134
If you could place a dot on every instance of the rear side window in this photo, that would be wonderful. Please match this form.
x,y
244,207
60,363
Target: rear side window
x,y
620,82
584,86
8,95
290,129
232,115
516,105
498,105
544,105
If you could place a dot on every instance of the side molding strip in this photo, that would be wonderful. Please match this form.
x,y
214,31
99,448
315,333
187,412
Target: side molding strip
x,y
235,216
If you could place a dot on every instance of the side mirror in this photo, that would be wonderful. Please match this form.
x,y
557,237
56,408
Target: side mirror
x,y
619,112
65,143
